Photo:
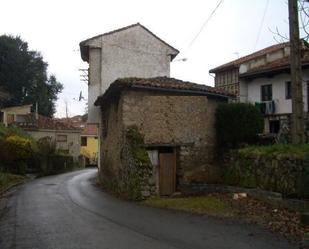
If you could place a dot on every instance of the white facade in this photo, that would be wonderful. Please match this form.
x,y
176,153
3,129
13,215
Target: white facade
x,y
130,52
252,91
70,143
14,113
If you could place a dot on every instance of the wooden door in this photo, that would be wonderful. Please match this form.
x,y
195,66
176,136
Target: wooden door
x,y
167,177
10,118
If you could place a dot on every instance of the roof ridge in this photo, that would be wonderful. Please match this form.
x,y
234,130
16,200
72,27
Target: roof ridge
x,y
247,57
82,43
110,32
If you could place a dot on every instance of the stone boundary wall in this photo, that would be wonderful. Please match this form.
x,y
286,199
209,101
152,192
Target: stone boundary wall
x,y
286,173
270,197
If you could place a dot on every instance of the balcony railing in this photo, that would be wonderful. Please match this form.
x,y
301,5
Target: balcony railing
x,y
266,107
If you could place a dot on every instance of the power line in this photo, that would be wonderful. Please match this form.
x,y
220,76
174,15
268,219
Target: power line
x,y
261,25
205,23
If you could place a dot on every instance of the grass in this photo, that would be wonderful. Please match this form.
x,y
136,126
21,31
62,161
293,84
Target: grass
x,y
7,180
210,205
277,149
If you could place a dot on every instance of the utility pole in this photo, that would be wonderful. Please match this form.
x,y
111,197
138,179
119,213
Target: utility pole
x,y
297,121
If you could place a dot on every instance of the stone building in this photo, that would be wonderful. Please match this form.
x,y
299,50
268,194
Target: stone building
x,y
176,119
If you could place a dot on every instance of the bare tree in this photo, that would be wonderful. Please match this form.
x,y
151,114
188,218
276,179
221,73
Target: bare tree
x,y
303,13
303,6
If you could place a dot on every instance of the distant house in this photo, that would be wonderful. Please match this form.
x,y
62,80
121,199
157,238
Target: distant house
x,y
14,114
66,136
177,121
89,138
89,144
263,78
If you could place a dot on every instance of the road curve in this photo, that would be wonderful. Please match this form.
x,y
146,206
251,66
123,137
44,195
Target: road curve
x,y
68,211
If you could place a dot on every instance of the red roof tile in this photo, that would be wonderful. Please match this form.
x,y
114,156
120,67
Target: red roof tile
x,y
44,123
90,129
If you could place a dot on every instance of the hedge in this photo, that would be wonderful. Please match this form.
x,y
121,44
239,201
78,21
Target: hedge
x,y
237,123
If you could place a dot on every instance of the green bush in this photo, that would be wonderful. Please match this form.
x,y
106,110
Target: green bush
x,y
15,151
51,160
237,123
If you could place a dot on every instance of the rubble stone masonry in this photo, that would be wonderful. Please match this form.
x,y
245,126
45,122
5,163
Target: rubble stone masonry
x,y
181,121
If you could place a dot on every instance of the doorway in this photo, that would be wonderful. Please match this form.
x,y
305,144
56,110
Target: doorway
x,y
167,171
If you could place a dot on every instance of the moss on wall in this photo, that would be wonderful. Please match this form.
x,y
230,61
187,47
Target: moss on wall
x,y
137,168
279,168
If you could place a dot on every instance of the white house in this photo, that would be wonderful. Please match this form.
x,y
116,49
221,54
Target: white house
x,y
132,51
263,78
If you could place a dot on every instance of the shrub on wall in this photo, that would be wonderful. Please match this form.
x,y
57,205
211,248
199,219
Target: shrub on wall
x,y
16,149
52,161
237,123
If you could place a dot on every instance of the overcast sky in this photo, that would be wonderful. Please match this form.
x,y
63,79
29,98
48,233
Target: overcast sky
x,y
55,28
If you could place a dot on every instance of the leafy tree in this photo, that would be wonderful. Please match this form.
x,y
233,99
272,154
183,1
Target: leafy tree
x,y
23,77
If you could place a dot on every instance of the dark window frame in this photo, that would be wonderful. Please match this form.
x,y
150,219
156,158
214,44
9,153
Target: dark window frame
x,y
83,141
288,90
274,126
267,92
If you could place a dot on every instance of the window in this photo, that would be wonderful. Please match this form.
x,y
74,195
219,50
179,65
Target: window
x,y
274,126
266,93
62,138
83,141
288,90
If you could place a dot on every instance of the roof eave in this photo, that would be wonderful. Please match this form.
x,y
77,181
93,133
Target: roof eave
x,y
270,71
84,51
220,68
117,88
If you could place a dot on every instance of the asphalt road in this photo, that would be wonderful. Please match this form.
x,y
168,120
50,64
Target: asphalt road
x,y
68,211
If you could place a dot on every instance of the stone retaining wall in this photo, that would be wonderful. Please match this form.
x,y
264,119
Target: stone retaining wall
x,y
273,198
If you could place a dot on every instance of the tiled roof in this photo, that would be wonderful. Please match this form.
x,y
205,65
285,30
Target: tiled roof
x,y
90,129
44,123
83,43
249,57
273,66
162,84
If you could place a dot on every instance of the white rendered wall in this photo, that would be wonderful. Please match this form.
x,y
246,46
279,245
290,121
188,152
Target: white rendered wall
x,y
283,105
129,53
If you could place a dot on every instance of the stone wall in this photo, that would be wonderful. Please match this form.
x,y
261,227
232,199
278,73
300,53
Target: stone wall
x,y
112,139
186,122
284,173
183,122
